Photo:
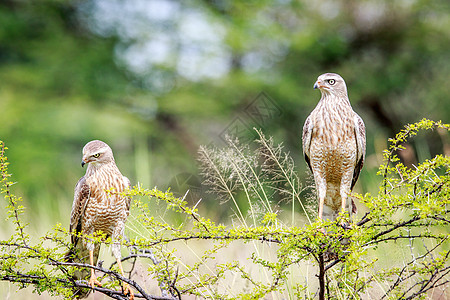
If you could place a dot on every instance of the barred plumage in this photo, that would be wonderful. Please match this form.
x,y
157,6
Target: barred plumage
x,y
98,206
334,146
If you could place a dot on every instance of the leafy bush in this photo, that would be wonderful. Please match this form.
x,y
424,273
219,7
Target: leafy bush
x,y
259,255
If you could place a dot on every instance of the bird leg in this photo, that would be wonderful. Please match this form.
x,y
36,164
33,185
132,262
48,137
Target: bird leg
x,y
126,287
344,201
344,196
321,187
93,280
321,204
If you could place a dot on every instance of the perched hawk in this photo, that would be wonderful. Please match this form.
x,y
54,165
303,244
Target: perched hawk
x,y
334,145
98,206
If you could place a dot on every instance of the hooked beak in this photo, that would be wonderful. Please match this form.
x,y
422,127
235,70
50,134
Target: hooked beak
x,y
318,84
84,161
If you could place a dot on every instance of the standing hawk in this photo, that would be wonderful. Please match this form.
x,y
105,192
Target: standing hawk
x,y
334,145
98,206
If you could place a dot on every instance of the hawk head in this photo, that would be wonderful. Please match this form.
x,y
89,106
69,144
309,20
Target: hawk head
x,y
96,152
331,83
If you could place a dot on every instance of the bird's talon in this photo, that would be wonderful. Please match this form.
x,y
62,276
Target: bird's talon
x,y
94,282
127,291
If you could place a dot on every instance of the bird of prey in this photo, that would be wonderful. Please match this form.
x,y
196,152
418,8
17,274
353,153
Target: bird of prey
x,y
98,205
334,146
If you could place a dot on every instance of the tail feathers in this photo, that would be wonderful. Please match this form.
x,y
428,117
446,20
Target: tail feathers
x,y
80,254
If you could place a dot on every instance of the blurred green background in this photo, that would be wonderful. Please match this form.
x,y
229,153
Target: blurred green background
x,y
156,79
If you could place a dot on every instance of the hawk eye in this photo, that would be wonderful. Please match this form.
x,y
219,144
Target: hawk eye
x,y
96,155
331,81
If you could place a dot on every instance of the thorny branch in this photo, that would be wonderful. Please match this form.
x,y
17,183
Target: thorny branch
x,y
419,274
7,191
69,282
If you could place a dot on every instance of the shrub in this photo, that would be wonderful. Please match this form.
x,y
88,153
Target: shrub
x,y
398,250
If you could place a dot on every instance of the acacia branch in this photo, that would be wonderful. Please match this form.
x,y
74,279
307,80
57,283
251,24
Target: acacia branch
x,y
7,191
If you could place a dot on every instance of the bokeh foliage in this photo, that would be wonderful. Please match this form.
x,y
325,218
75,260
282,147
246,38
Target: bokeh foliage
x,y
156,79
